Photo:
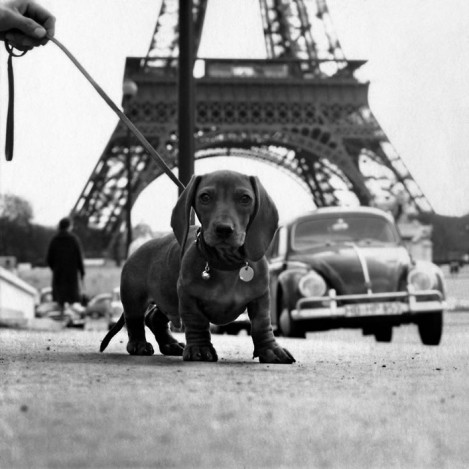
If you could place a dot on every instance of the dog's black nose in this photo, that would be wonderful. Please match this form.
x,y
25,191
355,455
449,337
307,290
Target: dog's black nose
x,y
224,231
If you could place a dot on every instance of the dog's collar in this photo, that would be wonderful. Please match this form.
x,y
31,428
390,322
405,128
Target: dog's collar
x,y
227,261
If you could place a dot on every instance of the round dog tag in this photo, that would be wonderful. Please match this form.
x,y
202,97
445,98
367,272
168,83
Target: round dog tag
x,y
246,273
206,272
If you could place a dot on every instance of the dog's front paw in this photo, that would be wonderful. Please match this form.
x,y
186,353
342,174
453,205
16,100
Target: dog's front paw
x,y
139,348
200,353
175,349
274,354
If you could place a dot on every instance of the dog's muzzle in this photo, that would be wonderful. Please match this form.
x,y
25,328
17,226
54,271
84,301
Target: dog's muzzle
x,y
224,231
224,234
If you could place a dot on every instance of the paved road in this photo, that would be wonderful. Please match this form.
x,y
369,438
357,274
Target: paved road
x,y
347,403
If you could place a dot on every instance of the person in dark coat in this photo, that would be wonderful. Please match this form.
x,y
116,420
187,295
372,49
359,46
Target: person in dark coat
x,y
65,259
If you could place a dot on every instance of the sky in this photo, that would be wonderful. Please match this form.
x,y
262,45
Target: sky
x,y
418,67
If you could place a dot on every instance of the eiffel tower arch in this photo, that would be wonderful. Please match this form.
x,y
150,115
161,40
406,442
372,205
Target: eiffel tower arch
x,y
301,109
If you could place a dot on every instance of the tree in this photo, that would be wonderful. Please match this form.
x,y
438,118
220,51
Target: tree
x,y
15,227
15,209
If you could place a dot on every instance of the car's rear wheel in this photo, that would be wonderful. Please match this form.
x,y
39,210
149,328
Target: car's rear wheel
x,y
288,327
383,334
430,326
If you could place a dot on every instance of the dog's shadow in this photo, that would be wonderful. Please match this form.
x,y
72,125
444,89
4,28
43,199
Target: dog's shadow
x,y
124,359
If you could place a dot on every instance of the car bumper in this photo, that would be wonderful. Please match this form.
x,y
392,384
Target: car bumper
x,y
366,305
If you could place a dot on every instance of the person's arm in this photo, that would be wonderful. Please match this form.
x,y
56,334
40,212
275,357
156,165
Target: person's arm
x,y
50,255
25,23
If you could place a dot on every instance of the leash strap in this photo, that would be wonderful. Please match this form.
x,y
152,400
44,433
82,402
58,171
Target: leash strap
x,y
145,143
10,130
10,116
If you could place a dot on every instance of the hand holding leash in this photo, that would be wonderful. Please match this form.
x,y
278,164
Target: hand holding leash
x,y
25,24
144,142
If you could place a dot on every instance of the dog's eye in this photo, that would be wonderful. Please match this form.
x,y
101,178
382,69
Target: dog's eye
x,y
205,198
245,199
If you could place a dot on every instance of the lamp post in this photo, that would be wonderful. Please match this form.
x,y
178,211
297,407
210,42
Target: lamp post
x,y
129,90
186,95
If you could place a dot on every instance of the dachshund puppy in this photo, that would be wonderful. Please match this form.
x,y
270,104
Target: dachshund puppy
x,y
204,275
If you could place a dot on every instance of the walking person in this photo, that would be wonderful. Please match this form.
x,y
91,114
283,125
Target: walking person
x,y
65,259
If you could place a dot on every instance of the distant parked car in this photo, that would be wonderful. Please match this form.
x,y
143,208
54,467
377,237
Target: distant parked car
x,y
99,306
104,307
348,268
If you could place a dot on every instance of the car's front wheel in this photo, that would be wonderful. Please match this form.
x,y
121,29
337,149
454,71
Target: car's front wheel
x,y
430,326
288,327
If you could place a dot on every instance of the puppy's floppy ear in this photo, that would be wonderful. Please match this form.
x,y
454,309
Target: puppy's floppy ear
x,y
180,218
263,223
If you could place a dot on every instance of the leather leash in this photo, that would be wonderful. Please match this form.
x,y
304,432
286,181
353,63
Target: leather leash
x,y
157,158
10,130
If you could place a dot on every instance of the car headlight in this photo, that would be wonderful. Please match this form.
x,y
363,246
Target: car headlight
x,y
312,284
420,279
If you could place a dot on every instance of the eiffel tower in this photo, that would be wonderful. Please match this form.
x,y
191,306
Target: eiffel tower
x,y
301,109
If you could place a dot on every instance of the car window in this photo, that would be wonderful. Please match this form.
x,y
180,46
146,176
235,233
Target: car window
x,y
359,230
282,241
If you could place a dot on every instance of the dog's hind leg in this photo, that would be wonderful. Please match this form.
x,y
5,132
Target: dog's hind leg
x,y
158,323
137,344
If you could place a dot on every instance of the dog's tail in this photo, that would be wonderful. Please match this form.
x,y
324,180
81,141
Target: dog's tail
x,y
115,329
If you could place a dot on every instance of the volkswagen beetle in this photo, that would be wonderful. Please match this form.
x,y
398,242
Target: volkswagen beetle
x,y
348,268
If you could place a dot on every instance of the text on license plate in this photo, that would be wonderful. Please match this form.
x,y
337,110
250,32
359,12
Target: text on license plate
x,y
373,309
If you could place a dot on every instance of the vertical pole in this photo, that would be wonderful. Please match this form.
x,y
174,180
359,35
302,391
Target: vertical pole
x,y
186,99
128,214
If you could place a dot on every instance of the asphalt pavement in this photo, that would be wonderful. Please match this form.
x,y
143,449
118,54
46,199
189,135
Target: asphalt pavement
x,y
348,402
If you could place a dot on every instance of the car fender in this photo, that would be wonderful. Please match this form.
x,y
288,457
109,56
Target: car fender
x,y
436,271
288,284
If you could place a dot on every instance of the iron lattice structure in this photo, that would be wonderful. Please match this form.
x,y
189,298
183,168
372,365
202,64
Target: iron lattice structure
x,y
301,109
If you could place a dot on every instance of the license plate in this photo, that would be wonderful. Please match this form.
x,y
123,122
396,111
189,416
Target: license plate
x,y
373,309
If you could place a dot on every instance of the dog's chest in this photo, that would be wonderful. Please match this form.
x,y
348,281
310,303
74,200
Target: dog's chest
x,y
223,297
222,310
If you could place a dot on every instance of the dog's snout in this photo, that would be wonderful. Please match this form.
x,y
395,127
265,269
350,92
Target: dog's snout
x,y
224,231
